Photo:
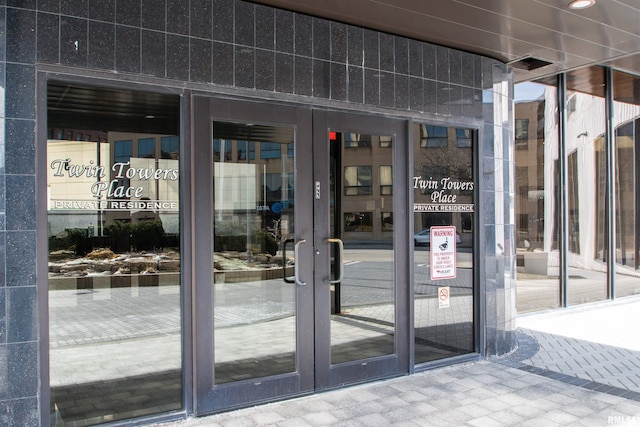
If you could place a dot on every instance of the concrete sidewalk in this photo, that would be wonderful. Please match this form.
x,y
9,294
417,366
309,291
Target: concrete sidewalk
x,y
573,367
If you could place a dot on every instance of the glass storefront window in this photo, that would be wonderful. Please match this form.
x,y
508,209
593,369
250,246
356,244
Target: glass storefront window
x,y
443,187
537,206
585,151
627,161
114,256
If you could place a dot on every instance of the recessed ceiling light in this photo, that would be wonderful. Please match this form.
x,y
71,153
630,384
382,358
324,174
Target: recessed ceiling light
x,y
581,4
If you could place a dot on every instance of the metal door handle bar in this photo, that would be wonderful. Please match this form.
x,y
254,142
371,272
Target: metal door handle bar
x,y
341,248
295,267
284,261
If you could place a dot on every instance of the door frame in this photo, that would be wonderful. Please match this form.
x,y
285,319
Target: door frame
x,y
209,397
313,369
330,376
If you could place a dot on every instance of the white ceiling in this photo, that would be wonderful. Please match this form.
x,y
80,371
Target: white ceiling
x,y
607,33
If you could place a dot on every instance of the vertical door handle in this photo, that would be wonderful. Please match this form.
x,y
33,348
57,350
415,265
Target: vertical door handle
x,y
296,249
341,248
295,267
284,261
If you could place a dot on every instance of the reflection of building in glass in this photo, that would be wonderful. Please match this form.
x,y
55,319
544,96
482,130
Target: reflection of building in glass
x,y
443,179
599,177
253,179
91,181
362,185
536,154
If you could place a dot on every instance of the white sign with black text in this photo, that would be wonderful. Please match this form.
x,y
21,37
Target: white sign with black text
x,y
443,252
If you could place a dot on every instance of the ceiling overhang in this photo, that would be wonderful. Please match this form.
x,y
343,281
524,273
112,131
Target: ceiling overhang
x,y
608,33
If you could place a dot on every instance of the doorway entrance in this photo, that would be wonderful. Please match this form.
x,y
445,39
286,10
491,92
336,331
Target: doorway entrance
x,y
301,274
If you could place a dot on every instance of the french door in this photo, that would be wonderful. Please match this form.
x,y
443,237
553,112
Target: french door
x,y
300,271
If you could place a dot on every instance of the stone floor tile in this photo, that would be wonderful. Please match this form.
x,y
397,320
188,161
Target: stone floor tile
x,y
320,419
485,421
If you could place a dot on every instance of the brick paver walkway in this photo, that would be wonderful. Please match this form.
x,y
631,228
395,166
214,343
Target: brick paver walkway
x,y
566,372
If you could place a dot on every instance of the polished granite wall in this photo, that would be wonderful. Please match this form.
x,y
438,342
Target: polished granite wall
x,y
223,45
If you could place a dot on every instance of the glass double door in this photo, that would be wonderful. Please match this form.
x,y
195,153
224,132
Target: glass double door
x,y
300,271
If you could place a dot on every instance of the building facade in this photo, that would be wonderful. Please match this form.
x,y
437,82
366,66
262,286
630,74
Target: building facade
x,y
213,204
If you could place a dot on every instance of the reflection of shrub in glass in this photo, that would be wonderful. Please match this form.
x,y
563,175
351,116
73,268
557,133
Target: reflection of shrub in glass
x,y
78,241
266,243
147,235
119,236
233,236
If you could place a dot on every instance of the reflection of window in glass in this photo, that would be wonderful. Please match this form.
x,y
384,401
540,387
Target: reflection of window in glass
x,y
290,151
357,180
436,219
241,147
273,186
269,150
433,136
522,134
220,145
571,104
464,174
435,174
523,223
358,221
386,219
463,138
466,220
147,148
600,250
386,180
122,151
246,150
357,140
625,195
170,147
386,141
572,200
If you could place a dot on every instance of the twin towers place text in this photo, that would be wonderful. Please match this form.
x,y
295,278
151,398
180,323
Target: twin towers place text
x,y
441,199
119,186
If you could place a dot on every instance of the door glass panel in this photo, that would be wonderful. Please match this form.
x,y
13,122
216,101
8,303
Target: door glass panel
x,y
443,189
253,225
114,254
362,303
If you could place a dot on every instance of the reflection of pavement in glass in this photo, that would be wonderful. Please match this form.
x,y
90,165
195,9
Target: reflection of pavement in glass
x,y
461,284
252,302
112,333
112,360
443,332
105,334
539,292
104,315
